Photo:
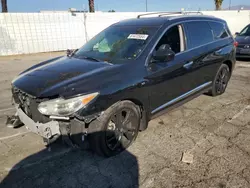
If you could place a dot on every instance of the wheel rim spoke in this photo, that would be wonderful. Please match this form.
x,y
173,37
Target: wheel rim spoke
x,y
223,73
111,139
114,140
221,87
118,119
128,135
125,142
225,79
127,117
217,87
118,143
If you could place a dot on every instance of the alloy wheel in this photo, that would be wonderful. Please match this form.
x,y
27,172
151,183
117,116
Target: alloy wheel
x,y
222,80
121,129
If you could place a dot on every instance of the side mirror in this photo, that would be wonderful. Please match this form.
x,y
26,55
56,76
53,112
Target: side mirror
x,y
237,33
69,52
164,53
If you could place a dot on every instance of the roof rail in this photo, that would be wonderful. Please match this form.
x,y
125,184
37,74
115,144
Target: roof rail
x,y
152,13
183,13
192,12
169,13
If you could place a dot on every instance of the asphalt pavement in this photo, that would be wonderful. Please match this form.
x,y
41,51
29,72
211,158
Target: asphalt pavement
x,y
213,131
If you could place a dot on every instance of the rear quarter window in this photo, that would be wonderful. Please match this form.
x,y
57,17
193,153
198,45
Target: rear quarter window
x,y
219,30
198,33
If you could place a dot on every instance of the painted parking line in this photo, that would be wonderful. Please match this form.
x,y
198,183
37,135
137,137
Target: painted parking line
x,y
239,113
244,65
14,135
6,109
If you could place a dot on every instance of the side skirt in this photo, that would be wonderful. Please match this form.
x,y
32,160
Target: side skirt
x,y
179,103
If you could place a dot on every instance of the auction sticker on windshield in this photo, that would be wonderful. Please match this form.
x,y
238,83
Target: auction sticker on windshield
x,y
138,36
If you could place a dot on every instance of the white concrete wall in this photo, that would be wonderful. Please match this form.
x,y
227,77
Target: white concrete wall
x,y
235,20
24,33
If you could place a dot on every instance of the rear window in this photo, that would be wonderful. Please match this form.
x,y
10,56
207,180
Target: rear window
x,y
198,33
219,30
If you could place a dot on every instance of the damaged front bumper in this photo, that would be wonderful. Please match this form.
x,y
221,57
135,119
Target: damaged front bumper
x,y
72,132
46,130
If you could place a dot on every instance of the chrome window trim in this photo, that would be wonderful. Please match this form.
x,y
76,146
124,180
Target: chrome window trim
x,y
187,50
185,95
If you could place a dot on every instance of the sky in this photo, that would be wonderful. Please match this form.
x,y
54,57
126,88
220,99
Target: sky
x,y
118,5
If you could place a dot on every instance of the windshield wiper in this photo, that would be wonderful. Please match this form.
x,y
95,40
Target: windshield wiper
x,y
90,58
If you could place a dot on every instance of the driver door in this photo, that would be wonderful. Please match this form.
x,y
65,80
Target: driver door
x,y
170,81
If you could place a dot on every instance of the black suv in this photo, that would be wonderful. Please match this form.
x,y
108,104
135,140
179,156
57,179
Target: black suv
x,y
107,91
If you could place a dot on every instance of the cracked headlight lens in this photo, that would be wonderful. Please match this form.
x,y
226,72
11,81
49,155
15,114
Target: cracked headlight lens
x,y
65,107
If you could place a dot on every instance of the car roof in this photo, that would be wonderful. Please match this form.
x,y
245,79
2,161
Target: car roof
x,y
158,21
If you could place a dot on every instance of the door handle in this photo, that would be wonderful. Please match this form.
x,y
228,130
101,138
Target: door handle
x,y
188,65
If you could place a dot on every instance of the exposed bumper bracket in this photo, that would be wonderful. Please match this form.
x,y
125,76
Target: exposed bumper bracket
x,y
46,130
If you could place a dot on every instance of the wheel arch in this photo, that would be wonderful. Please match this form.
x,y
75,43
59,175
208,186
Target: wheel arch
x,y
229,64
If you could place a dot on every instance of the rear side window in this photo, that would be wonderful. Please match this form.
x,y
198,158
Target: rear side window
x,y
219,30
198,33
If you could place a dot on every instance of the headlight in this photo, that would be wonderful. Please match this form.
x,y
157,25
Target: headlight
x,y
65,107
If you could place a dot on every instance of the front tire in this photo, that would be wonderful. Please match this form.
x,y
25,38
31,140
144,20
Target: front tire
x,y
220,81
115,130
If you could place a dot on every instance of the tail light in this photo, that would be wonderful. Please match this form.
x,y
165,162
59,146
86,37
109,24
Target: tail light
x,y
236,43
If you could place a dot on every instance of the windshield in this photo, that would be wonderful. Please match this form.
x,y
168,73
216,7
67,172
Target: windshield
x,y
117,43
245,31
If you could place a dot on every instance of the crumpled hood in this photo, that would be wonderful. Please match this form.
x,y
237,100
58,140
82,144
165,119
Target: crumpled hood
x,y
54,74
243,39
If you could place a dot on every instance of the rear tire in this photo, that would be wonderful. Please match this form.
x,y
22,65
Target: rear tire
x,y
115,130
220,81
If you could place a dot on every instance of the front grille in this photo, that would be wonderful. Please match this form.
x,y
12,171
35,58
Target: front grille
x,y
29,105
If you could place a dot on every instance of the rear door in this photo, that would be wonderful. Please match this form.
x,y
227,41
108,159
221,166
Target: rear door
x,y
207,43
201,49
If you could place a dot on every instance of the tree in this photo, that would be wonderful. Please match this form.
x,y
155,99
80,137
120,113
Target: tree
x,y
218,4
4,5
111,10
91,6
